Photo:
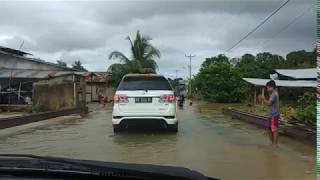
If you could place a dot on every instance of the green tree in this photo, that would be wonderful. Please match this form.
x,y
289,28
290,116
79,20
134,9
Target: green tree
x,y
259,66
264,64
248,66
220,58
78,66
301,59
61,63
143,55
219,81
116,72
267,62
234,61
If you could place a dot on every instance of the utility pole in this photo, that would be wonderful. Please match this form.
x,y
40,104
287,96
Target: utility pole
x,y
190,58
177,73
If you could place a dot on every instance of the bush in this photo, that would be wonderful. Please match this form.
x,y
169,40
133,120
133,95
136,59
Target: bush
x,y
306,110
287,112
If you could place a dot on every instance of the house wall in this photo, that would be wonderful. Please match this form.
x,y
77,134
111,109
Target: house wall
x,y
53,96
17,62
60,92
80,90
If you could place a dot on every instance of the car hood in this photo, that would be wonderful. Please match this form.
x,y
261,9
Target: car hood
x,y
98,168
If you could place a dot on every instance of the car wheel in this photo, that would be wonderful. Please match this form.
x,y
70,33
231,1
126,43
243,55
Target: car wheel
x,y
173,128
116,129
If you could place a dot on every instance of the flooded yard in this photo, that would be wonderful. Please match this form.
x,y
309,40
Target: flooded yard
x,y
207,141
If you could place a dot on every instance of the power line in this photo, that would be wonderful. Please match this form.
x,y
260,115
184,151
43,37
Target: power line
x,y
287,26
259,25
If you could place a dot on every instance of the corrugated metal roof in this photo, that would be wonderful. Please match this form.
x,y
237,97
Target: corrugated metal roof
x,y
20,54
13,51
41,74
282,83
310,73
26,73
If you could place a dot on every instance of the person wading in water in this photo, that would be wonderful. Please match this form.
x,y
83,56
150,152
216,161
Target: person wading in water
x,y
273,111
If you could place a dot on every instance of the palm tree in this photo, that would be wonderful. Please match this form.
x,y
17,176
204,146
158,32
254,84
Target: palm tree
x,y
143,55
78,66
116,72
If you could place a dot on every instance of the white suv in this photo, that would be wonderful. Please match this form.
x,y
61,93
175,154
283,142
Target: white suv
x,y
144,98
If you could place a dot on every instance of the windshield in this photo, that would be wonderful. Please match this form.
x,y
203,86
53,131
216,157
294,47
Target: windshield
x,y
227,89
144,83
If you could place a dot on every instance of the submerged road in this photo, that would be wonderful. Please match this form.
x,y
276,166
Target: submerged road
x,y
207,141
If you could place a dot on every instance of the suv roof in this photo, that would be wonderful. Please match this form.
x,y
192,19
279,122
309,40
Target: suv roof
x,y
143,82
136,75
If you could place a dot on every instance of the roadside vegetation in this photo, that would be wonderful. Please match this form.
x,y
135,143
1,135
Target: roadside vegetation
x,y
220,80
306,110
303,112
221,73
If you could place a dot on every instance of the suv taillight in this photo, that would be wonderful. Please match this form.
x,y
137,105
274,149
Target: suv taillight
x,y
167,98
120,98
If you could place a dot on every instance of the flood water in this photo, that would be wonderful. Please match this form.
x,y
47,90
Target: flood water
x,y
207,141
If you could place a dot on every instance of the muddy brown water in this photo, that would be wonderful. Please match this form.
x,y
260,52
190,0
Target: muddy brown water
x,y
207,141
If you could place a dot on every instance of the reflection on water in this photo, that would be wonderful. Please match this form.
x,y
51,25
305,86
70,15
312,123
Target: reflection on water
x,y
273,163
207,141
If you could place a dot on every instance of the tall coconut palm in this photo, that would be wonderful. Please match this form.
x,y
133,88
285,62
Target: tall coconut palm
x,y
143,55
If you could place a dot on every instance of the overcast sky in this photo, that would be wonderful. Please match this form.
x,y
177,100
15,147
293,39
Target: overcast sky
x,y
90,30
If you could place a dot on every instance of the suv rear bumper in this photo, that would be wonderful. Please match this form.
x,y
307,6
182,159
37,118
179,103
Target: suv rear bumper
x,y
167,119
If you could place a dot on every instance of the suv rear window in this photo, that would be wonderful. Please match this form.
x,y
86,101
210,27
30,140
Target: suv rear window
x,y
144,83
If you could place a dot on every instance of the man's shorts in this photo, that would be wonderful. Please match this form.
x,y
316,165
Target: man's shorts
x,y
273,123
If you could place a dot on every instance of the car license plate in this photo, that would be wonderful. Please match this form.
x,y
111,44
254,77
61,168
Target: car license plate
x,y
143,99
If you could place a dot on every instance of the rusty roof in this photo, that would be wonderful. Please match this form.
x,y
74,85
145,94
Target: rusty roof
x,y
96,77
42,74
29,73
